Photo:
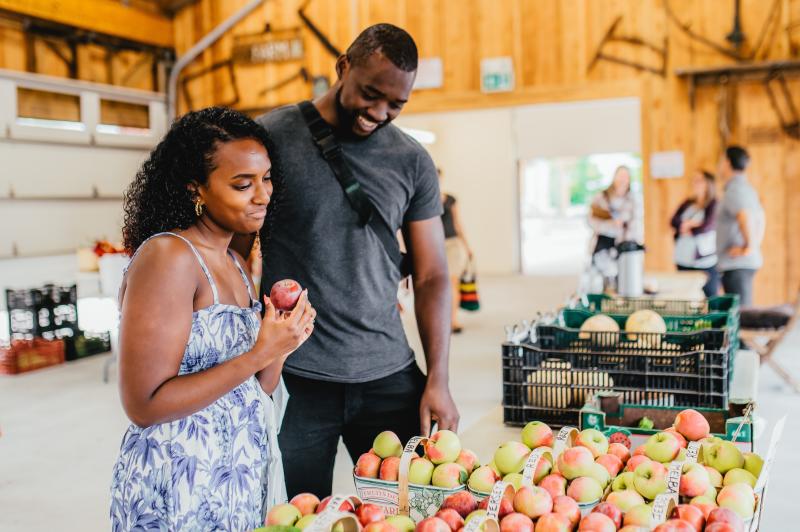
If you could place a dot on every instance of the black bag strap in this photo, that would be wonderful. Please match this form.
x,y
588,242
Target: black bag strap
x,y
331,150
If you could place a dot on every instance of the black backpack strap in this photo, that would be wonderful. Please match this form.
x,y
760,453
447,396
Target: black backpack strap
x,y
331,150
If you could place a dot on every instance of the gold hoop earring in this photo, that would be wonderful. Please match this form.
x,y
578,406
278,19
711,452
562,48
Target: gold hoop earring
x,y
198,207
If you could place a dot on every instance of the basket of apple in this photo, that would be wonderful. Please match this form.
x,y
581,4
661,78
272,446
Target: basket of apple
x,y
712,480
401,481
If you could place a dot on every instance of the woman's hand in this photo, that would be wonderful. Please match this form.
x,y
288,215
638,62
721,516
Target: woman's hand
x,y
282,333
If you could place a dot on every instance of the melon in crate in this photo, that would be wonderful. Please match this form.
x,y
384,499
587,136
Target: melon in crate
x,y
600,323
645,321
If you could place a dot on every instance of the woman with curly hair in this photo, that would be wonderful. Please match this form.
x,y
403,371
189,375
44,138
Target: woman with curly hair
x,y
197,361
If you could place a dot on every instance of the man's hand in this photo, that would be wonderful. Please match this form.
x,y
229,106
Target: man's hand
x,y
437,406
738,251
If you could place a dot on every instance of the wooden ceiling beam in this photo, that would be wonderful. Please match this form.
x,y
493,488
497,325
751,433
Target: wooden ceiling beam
x,y
102,16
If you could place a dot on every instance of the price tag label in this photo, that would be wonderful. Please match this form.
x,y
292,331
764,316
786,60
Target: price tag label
x,y
529,472
564,439
662,508
693,450
674,479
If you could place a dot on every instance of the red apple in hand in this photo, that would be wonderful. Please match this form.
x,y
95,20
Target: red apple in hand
x,y
284,294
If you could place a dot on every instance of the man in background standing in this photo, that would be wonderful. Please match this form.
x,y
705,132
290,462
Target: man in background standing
x,y
740,227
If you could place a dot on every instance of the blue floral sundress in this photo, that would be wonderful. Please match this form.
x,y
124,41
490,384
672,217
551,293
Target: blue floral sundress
x,y
207,471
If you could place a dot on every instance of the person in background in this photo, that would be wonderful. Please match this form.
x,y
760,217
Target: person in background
x,y
457,250
616,213
199,368
695,231
740,227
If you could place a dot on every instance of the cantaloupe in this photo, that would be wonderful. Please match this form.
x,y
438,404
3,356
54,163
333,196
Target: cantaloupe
x,y
600,323
645,321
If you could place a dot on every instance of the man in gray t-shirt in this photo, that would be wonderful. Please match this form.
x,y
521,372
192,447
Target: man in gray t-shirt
x,y
356,376
740,227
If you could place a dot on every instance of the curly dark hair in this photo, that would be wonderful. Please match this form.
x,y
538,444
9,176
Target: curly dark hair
x,y
159,198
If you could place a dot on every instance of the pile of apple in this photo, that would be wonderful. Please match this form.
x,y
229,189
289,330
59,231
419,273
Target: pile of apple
x,y
718,488
445,464
303,509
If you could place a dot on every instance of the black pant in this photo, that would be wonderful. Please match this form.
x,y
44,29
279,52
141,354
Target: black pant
x,y
739,282
711,288
320,412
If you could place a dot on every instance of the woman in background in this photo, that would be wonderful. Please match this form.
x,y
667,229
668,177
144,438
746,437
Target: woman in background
x,y
616,214
457,250
695,231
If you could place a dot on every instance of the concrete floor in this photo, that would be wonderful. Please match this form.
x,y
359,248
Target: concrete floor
x,y
62,426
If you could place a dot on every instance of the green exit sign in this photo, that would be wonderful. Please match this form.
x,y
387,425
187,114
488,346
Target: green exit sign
x,y
497,74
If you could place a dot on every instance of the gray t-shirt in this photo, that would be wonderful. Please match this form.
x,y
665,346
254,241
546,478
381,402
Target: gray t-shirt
x,y
739,195
315,238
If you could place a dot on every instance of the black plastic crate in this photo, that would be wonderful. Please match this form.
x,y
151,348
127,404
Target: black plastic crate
x,y
41,312
553,385
87,343
686,307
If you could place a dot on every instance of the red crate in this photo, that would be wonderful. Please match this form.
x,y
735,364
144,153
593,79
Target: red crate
x,y
29,355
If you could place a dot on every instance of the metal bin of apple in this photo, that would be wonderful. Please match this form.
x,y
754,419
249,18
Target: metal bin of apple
x,y
645,357
402,482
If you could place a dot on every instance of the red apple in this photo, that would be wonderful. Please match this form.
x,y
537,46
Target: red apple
x,y
722,527
368,465
462,502
568,507
706,509
555,484
692,424
390,468
516,522
611,511
611,462
620,451
675,525
284,294
691,514
451,517
305,502
725,515
635,460
369,513
678,436
553,523
432,524
597,522
346,506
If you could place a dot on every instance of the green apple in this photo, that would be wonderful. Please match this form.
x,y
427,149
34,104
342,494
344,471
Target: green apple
x,y
662,447
738,497
511,456
711,493
650,479
594,440
753,463
585,489
482,479
706,444
473,515
737,475
624,482
387,444
641,515
420,471
449,476
600,474
724,456
283,514
625,499
704,499
494,468
305,521
515,479
536,434
402,523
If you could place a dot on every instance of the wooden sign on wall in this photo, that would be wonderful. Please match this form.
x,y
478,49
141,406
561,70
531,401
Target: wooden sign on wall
x,y
270,47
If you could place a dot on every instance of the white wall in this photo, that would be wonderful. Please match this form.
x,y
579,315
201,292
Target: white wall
x,y
479,153
475,150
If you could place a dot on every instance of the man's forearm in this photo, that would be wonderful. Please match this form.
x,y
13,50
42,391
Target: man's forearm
x,y
432,306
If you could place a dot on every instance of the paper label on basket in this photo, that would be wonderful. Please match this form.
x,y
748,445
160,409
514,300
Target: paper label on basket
x,y
662,508
327,520
693,449
674,479
777,432
565,438
529,471
500,491
409,452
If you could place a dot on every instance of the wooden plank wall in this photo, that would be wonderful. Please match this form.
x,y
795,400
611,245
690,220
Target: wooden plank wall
x,y
552,43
